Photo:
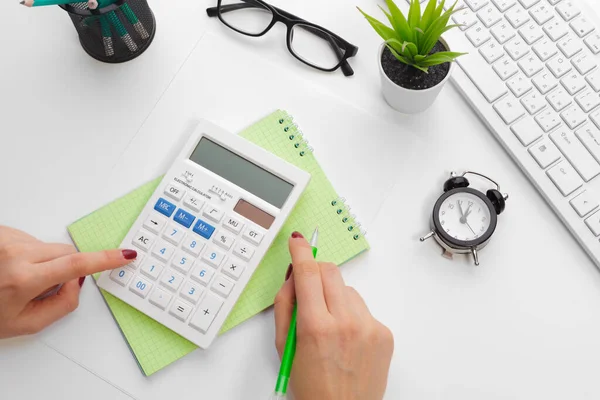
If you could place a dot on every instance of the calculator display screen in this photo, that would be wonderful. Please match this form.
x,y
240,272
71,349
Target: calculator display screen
x,y
241,172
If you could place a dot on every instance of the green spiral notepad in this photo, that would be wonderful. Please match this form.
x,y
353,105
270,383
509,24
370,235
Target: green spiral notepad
x,y
154,345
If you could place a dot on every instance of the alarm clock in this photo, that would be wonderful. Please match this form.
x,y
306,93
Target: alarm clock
x,y
464,219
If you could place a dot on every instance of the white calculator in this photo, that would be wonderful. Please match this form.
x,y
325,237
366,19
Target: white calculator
x,y
204,231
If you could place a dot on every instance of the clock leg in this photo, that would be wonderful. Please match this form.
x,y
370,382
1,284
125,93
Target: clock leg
x,y
475,255
429,235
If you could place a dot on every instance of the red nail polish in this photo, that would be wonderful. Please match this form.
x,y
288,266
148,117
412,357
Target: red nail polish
x,y
289,272
129,254
81,280
297,235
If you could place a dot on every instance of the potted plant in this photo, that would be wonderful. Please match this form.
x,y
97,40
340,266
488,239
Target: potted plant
x,y
414,61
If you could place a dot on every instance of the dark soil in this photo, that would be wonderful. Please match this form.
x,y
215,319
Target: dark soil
x,y
410,77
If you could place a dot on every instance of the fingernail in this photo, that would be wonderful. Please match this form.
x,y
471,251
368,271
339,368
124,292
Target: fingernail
x,y
297,235
81,280
289,272
129,254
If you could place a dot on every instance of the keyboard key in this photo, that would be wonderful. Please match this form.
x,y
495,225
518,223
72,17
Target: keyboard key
x,y
184,218
594,80
517,16
204,229
565,178
593,42
509,109
233,224
559,99
207,311
574,151
505,68
541,13
590,137
527,131
182,262
593,223
213,257
165,207
533,102
548,120
202,274
545,153
585,203
174,234
556,29
588,100
559,66
584,62
171,280
193,245
465,18
491,51
224,240
175,192
582,26
486,81
180,310
519,85
475,5
489,15
234,268
160,299
193,203
244,251
143,240
503,32
222,286
516,48
253,235
531,32
573,82
213,213
570,45
504,5
141,287
545,82
121,276
530,65
568,10
595,117
191,292
545,49
163,250
528,3
554,2
573,116
478,35
152,269
154,223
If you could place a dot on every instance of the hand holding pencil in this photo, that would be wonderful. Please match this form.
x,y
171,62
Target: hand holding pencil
x,y
341,351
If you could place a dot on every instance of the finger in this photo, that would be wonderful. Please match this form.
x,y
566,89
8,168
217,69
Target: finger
x,y
334,289
284,307
307,276
10,235
43,252
357,304
40,314
76,265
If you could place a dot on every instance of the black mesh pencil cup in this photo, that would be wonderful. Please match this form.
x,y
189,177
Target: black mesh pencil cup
x,y
116,31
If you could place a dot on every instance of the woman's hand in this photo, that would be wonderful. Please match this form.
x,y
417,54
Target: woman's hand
x,y
342,351
29,268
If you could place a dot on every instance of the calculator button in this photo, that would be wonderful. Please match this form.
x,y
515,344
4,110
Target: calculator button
x,y
143,240
174,192
207,311
137,262
234,268
152,269
164,207
163,250
184,218
160,299
182,262
140,287
193,245
202,274
213,213
223,286
191,291
174,234
121,276
193,202
253,235
233,224
244,251
203,229
180,310
224,240
171,280
213,256
154,223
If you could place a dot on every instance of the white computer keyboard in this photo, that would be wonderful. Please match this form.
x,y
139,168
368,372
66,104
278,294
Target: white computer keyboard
x,y
533,75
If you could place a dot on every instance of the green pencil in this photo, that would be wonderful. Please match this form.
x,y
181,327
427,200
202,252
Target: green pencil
x,y
114,19
109,50
133,20
289,352
39,3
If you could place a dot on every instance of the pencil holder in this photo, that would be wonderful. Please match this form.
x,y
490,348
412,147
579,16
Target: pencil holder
x,y
114,32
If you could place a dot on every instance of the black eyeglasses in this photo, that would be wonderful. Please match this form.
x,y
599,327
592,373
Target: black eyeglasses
x,y
309,43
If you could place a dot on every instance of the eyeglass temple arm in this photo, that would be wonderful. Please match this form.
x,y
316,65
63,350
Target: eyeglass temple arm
x,y
346,68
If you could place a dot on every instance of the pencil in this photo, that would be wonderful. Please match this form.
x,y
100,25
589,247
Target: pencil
x,y
40,3
114,19
133,20
109,50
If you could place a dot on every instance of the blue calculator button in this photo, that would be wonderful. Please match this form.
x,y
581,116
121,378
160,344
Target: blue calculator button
x,y
164,207
203,229
184,218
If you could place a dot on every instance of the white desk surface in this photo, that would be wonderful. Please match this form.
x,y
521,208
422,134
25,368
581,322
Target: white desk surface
x,y
523,325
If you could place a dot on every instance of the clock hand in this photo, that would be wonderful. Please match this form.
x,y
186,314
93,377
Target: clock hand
x,y
471,228
468,212
462,214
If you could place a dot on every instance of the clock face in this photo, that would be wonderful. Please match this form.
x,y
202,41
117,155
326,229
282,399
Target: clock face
x,y
464,216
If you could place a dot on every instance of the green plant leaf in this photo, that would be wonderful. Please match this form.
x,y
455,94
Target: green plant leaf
x,y
407,49
440,58
404,60
414,13
428,15
439,9
382,30
433,33
401,24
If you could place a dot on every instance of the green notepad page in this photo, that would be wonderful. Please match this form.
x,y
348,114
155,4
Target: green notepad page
x,y
156,346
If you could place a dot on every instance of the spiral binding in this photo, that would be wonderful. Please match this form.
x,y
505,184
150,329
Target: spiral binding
x,y
339,206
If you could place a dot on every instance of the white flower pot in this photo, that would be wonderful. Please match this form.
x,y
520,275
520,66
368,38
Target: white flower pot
x,y
409,101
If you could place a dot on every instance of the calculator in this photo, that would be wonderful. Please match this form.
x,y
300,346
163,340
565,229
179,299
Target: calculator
x,y
204,232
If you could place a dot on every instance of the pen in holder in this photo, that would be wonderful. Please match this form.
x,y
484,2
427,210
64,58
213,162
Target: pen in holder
x,y
115,31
